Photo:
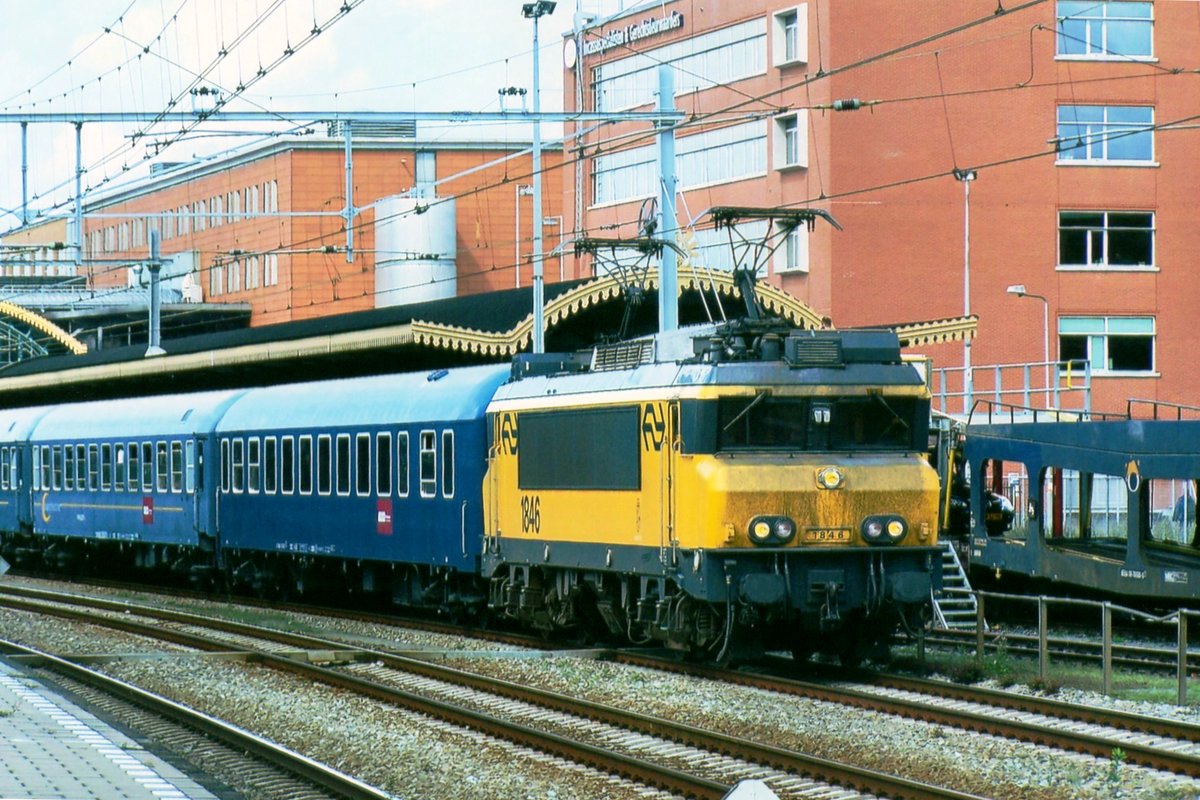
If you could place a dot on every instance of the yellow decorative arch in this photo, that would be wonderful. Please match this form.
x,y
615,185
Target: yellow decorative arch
x,y
597,291
40,323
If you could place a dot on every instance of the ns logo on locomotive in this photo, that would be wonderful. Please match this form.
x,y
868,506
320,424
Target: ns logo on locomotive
x,y
714,490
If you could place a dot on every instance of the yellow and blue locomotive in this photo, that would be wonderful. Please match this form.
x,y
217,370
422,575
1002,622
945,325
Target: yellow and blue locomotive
x,y
715,491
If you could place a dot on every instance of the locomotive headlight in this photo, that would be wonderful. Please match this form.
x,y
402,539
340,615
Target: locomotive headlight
x,y
760,531
772,530
830,478
884,529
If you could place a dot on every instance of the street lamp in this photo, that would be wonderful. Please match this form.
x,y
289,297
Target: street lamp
x,y
1019,290
536,11
966,176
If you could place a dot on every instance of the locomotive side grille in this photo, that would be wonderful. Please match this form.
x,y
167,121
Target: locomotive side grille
x,y
804,351
624,355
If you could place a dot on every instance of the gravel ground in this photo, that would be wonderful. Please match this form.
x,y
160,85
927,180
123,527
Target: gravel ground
x,y
423,758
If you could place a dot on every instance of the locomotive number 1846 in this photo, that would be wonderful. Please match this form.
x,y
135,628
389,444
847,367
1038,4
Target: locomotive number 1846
x,y
531,514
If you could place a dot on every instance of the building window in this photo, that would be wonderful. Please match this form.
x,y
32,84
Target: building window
x,y
1106,239
216,279
721,155
1106,133
791,141
1109,344
789,43
794,250
701,62
235,276
270,269
1099,29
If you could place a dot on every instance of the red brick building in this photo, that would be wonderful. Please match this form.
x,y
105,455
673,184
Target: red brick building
x,y
1071,116
266,227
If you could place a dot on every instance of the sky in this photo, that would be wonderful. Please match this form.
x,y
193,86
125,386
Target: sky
x,y
126,55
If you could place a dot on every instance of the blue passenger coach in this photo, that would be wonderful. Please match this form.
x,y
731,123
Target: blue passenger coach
x,y
16,509
129,471
378,477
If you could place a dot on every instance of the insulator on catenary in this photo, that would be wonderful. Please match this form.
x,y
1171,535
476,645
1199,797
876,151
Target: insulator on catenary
x,y
849,104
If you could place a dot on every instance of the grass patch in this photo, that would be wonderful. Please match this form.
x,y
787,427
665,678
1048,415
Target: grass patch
x,y
1007,669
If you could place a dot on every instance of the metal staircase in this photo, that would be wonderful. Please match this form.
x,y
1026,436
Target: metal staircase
x,y
954,606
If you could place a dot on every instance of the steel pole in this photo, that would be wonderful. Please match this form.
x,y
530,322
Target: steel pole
x,y
539,344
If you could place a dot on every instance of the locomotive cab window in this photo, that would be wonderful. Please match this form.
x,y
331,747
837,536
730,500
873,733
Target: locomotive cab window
x,y
872,422
428,464
447,463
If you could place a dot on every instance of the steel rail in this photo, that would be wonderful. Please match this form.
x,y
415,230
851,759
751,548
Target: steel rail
x,y
827,770
1037,733
314,772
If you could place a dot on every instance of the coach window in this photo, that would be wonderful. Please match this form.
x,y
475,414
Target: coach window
x,y
383,465
93,465
176,467
226,466
80,467
106,466
119,467
428,464
132,450
147,467
189,465
305,464
253,465
56,457
362,464
15,466
343,464
37,468
4,478
239,466
402,464
270,448
68,467
287,465
447,463
161,466
324,464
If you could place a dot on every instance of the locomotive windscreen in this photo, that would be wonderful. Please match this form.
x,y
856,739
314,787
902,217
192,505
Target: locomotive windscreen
x,y
817,423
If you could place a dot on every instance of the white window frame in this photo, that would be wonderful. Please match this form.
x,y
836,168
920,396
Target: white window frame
x,y
1097,15
428,485
1103,233
789,36
790,145
1102,337
793,253
1100,132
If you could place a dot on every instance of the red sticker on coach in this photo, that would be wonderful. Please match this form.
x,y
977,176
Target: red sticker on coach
x,y
383,518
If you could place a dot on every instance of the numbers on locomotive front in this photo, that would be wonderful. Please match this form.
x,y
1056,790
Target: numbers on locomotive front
x,y
531,513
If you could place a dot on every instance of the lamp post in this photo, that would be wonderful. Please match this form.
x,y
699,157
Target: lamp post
x,y
966,177
536,11
1019,290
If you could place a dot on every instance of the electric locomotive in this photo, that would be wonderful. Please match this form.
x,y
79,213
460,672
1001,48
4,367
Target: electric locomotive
x,y
716,493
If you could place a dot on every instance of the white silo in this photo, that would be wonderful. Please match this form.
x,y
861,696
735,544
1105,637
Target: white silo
x,y
415,244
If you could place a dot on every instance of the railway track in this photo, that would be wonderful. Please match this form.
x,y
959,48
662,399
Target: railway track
x,y
1149,741
671,756
263,766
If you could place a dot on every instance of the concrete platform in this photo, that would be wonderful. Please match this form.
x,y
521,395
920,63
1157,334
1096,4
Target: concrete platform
x,y
51,749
